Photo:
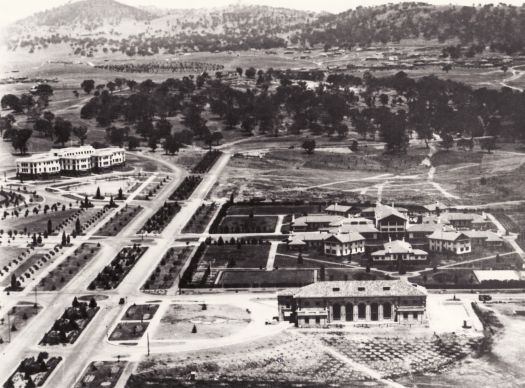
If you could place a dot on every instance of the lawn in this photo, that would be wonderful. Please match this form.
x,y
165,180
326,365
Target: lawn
x,y
119,221
210,320
38,370
236,256
126,331
168,269
68,269
38,223
19,317
140,312
9,253
34,263
101,374
445,278
270,209
247,224
277,278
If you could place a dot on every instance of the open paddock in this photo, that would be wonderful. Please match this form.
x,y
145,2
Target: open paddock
x,y
19,317
210,320
236,255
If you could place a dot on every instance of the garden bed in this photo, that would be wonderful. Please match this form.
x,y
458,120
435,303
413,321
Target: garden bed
x,y
69,268
168,269
116,271
71,324
101,374
33,372
140,312
200,219
119,221
126,331
206,163
186,188
158,221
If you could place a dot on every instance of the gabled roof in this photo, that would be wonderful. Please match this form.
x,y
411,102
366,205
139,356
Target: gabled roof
x,y
484,234
398,246
317,218
383,211
338,208
351,288
346,237
358,228
424,227
447,235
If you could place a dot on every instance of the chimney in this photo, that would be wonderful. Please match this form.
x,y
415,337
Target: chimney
x,y
389,238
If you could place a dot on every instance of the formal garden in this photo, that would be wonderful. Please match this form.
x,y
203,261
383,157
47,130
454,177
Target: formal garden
x,y
153,189
200,219
129,331
69,326
116,271
158,221
211,258
101,374
33,371
140,312
186,188
120,220
206,163
69,268
166,272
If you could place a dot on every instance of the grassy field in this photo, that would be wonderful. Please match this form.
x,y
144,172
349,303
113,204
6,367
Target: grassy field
x,y
210,320
19,317
38,223
248,256
276,278
9,253
247,224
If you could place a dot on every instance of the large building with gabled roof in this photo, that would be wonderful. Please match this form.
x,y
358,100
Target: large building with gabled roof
x,y
356,301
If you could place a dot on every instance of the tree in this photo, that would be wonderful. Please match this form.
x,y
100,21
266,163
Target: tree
x,y
171,145
239,71
88,85
300,259
80,132
250,72
447,67
64,239
43,126
78,227
309,146
62,130
10,101
97,194
20,138
194,329
116,135
163,127
152,143
14,282
133,142
487,143
92,303
447,142
44,90
49,226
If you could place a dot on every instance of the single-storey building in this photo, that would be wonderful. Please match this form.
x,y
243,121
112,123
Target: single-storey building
x,y
338,210
345,302
397,250
486,238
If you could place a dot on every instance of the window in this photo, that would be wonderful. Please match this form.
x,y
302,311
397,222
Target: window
x,y
307,320
361,311
405,315
415,315
317,320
